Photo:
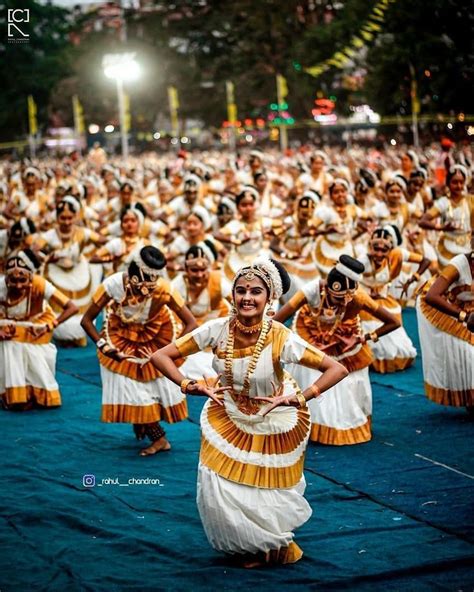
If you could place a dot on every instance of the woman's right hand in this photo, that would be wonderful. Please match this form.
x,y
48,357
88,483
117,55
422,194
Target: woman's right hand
x,y
112,352
208,390
7,332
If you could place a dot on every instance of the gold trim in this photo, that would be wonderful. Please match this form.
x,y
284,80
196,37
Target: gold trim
x,y
452,398
337,437
247,474
395,365
22,394
71,294
445,323
144,414
282,443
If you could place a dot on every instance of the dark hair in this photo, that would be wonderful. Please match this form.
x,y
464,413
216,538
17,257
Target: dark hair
x,y
31,256
135,206
196,251
284,276
151,257
17,229
333,185
243,194
257,175
126,184
335,277
222,208
384,233
450,174
62,205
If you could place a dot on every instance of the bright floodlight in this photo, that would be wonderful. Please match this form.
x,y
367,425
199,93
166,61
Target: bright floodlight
x,y
121,66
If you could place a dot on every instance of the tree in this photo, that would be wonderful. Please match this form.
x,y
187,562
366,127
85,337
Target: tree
x,y
32,68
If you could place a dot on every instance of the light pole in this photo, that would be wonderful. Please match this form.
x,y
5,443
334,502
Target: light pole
x,y
121,67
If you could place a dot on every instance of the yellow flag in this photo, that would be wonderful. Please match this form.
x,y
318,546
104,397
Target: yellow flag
x,y
282,88
357,42
128,117
32,120
231,106
173,97
78,113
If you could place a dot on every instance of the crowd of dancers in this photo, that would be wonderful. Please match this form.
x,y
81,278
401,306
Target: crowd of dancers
x,y
268,283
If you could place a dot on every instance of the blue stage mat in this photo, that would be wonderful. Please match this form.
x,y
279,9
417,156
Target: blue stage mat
x,y
393,514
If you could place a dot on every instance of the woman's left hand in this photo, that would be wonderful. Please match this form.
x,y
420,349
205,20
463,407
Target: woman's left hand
x,y
38,331
277,400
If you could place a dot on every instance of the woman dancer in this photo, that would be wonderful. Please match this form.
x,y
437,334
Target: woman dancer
x,y
383,266
138,321
246,234
68,269
455,213
250,480
327,316
446,326
27,320
118,251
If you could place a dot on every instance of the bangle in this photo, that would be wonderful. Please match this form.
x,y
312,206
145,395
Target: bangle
x,y
301,400
373,337
100,343
462,316
185,383
315,390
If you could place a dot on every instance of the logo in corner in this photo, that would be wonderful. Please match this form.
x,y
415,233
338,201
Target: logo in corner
x,y
16,27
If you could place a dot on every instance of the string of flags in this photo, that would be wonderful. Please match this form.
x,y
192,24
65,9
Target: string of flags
x,y
368,31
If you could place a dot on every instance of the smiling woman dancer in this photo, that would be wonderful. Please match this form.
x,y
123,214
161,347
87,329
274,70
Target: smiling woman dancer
x,y
256,427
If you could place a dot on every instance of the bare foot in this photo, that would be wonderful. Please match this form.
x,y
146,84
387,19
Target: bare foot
x,y
161,445
252,563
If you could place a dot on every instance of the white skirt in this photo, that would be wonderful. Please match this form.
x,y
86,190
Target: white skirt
x,y
31,366
448,364
121,390
342,414
396,347
243,519
131,401
82,276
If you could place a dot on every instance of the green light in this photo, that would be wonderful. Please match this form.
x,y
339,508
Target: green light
x,y
284,106
333,98
277,120
297,66
290,120
274,107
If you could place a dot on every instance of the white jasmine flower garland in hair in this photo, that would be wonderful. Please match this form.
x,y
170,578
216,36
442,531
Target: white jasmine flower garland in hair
x,y
263,268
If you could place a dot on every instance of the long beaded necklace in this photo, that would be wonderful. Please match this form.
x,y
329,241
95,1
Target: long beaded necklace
x,y
253,362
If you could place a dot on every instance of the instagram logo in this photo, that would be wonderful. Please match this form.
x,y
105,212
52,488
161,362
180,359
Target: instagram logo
x,y
88,480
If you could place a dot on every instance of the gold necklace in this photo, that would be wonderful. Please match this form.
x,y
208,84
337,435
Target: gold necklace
x,y
133,318
337,318
244,393
248,330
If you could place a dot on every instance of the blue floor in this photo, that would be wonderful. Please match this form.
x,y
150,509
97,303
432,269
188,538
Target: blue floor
x,y
393,514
